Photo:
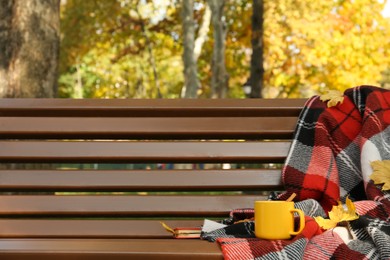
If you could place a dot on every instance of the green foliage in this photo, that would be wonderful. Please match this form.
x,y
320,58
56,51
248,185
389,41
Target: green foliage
x,y
107,42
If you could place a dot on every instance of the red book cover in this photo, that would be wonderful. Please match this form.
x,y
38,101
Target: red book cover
x,y
183,232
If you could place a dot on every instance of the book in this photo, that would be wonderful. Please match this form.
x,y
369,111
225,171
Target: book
x,y
183,232
186,232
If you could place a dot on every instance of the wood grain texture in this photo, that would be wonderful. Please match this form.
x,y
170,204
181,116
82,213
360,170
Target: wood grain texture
x,y
90,228
151,107
123,205
141,152
92,249
147,127
140,180
38,223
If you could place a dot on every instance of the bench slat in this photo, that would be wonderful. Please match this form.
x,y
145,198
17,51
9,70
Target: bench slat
x,y
150,127
151,107
120,205
139,152
60,214
98,249
139,180
90,228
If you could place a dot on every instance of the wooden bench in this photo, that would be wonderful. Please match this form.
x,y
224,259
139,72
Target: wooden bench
x,y
49,210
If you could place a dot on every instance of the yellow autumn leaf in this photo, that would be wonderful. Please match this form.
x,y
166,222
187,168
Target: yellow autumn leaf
x,y
338,214
351,209
381,173
167,228
326,223
333,97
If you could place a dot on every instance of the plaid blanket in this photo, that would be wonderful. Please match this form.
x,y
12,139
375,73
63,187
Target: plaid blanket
x,y
329,159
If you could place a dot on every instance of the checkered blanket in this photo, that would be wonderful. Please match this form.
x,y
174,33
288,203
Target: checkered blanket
x,y
329,159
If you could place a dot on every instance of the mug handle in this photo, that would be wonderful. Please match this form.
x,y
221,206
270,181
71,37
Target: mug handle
x,y
301,221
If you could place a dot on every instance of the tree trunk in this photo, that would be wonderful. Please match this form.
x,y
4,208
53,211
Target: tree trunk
x,y
219,80
29,51
29,48
203,31
257,69
191,81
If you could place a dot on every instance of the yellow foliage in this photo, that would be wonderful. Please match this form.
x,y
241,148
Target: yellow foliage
x,y
381,174
309,47
333,97
338,214
327,44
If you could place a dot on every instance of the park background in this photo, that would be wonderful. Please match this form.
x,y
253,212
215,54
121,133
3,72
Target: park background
x,y
191,49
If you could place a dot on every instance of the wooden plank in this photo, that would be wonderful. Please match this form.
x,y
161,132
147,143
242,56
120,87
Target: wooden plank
x,y
120,205
138,152
149,127
150,107
139,180
98,249
90,228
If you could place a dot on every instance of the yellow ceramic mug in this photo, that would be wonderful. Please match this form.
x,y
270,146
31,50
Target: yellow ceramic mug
x,y
275,219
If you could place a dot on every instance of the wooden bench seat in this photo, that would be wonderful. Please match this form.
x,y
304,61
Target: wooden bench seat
x,y
92,179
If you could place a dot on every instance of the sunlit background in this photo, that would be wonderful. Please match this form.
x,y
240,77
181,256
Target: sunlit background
x,y
128,49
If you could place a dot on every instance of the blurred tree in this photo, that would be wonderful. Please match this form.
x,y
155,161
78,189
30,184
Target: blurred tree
x,y
149,47
114,47
238,45
204,28
257,70
29,47
191,81
308,46
219,78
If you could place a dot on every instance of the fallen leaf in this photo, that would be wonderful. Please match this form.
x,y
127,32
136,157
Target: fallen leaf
x,y
338,214
333,97
381,173
167,228
326,223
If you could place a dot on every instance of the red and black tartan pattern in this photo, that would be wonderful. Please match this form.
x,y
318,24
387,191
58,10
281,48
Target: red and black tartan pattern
x,y
326,163
330,144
